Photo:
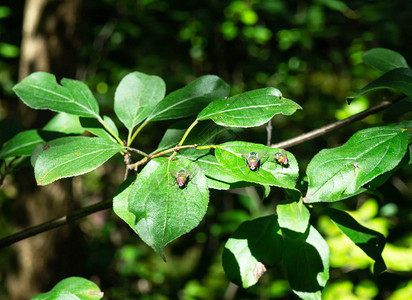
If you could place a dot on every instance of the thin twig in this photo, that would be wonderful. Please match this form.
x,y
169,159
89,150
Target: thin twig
x,y
138,151
269,131
31,231
150,156
336,125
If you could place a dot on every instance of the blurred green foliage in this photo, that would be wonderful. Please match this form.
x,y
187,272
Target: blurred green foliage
x,y
310,50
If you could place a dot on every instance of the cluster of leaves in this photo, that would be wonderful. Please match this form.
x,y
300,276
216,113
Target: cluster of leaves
x,y
159,210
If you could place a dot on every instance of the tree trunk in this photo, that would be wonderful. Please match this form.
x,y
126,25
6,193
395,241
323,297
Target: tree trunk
x,y
50,43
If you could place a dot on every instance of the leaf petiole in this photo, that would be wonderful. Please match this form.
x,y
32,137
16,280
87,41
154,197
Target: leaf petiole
x,y
101,121
137,132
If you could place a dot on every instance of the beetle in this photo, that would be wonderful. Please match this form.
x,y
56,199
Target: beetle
x,y
282,159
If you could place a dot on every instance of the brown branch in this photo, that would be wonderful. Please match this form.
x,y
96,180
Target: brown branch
x,y
31,231
336,125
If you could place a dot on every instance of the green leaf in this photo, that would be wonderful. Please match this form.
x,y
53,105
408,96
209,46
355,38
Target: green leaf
x,y
293,215
204,133
209,165
96,128
253,247
41,91
249,109
370,241
72,288
384,60
306,258
163,210
21,144
71,156
397,79
64,123
396,110
120,202
191,99
232,156
136,96
334,173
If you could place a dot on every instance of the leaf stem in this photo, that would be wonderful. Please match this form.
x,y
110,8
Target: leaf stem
x,y
101,121
54,223
150,156
336,125
137,151
184,137
137,132
187,131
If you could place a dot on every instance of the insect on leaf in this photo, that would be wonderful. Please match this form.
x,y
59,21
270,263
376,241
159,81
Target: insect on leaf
x,y
163,211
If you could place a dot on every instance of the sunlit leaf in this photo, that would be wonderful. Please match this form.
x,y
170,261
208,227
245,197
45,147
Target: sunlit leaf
x,y
384,60
233,157
75,288
164,211
397,79
120,202
252,248
293,214
136,96
71,156
370,241
190,99
334,173
249,109
41,91
306,258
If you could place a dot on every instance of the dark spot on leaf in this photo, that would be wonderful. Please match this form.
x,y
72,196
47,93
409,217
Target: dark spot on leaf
x,y
46,147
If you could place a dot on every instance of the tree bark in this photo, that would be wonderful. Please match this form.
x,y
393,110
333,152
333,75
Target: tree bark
x,y
50,43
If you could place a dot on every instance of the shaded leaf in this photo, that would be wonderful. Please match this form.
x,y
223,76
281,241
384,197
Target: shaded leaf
x,y
334,173
21,144
253,247
96,128
71,156
397,79
190,99
249,109
136,96
370,241
72,288
64,123
41,91
306,258
204,133
384,60
396,110
164,211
